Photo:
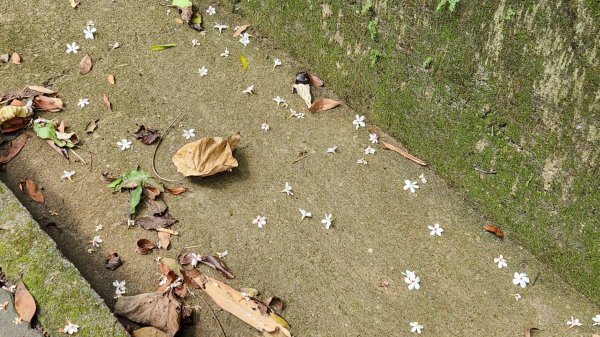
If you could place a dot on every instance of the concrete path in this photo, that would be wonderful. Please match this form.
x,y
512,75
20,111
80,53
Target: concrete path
x,y
7,320
342,281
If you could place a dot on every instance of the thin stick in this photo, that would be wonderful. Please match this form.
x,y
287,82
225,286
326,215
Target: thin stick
x,y
478,169
190,247
403,153
299,159
536,278
76,155
156,149
166,230
214,315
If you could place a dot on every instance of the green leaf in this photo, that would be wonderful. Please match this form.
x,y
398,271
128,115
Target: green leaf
x,y
158,47
116,185
372,28
197,19
182,3
134,200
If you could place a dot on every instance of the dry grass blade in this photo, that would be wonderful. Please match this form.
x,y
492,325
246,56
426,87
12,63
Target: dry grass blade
x,y
323,104
85,65
403,153
24,303
13,149
240,30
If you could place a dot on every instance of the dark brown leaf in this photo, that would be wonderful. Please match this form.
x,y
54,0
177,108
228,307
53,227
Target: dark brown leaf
x,y
144,246
85,65
216,263
160,310
403,153
112,261
13,149
32,191
14,124
15,58
24,303
315,81
154,222
177,190
106,101
494,229
146,134
92,126
275,303
188,276
323,104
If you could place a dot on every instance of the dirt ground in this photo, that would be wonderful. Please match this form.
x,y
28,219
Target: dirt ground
x,y
331,279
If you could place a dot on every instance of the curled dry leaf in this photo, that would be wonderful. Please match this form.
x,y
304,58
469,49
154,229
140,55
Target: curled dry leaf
x,y
13,149
164,240
32,191
85,65
50,104
206,156
188,276
494,229
110,78
167,264
240,30
15,58
216,263
154,222
24,303
106,101
403,153
275,303
315,81
177,190
144,246
323,104
160,310
146,135
112,261
303,90
91,126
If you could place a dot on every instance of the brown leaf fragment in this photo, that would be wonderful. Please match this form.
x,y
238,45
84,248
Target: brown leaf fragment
x,y
148,331
188,276
112,261
32,191
168,264
4,58
177,190
91,126
146,134
156,206
3,306
73,3
144,246
106,178
495,230
529,332
15,58
315,81
59,150
13,149
275,303
179,21
42,90
323,104
154,222
170,277
50,104
24,303
206,156
216,263
303,90
110,78
106,101
164,240
160,310
151,192
85,65
240,29
403,153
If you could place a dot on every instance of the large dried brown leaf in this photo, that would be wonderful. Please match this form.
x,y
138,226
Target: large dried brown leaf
x,y
240,30
216,263
156,206
177,190
15,58
323,104
403,153
32,191
15,124
106,101
42,90
494,229
206,156
50,104
13,149
154,222
85,65
160,310
24,303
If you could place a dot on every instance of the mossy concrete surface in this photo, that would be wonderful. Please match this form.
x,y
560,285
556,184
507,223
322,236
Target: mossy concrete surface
x,y
506,87
59,290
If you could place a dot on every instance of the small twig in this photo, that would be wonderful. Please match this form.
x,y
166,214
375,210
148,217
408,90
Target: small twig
x,y
76,155
160,138
536,278
478,169
190,247
214,315
299,159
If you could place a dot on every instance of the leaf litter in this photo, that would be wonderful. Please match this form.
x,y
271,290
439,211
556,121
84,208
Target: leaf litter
x,y
85,65
24,303
31,189
146,135
207,156
13,149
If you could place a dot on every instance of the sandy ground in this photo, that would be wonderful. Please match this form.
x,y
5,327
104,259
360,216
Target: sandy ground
x,y
330,278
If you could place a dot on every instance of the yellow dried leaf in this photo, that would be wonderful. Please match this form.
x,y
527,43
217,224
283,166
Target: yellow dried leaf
x,y
10,112
110,78
206,156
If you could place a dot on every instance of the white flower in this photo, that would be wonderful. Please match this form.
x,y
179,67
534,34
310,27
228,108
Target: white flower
x,y
96,241
203,71
287,189
220,27
304,214
83,102
279,100
435,229
72,48
276,62
245,39
98,228
359,121
412,280
124,144
260,220
70,328
520,279
298,115
67,175
195,43
362,161
574,322
410,185
500,261
596,320
249,90
265,127
327,220
415,327
423,179
332,149
17,320
120,288
225,53
369,150
89,32
163,280
211,10
195,259
373,138
187,134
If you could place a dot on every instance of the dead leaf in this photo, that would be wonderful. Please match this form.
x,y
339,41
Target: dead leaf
x,y
179,21
494,229
146,134
144,246
177,190
110,78
24,303
323,104
164,240
106,101
156,206
403,153
240,30
4,305
188,276
91,126
168,264
9,112
14,124
73,3
112,261
85,65
151,192
216,263
275,303
206,156
42,90
15,58
154,222
32,191
106,178
160,310
148,331
315,81
60,150
13,149
303,90
50,104
529,332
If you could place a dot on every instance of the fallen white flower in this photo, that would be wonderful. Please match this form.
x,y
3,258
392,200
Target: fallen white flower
x,y
304,214
412,280
410,185
362,161
225,53
596,320
187,134
83,102
70,328
245,39
435,230
279,100
276,62
72,48
203,71
220,27
265,127
332,149
500,261
369,150
260,220
211,10
373,138
89,32
574,322
96,241
249,90
327,220
359,121
124,144
287,189
416,327
520,279
195,43
423,179
67,175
